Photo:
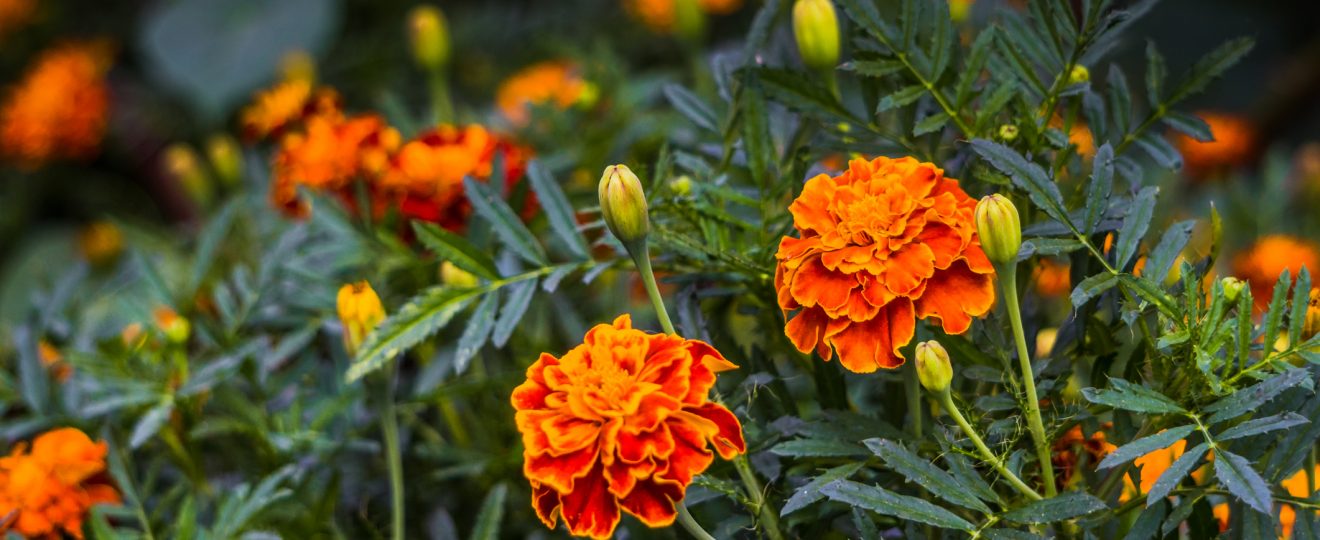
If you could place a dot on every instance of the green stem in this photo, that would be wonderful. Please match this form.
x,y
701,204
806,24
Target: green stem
x,y
1007,276
442,107
643,259
753,486
912,387
693,528
390,425
946,401
1310,472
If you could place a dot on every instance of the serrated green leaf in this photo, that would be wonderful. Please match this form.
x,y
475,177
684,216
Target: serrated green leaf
x,y
810,493
875,68
455,249
1189,125
504,221
1274,313
150,423
1156,71
900,98
1135,224
1173,475
426,314
1132,397
1171,244
1048,246
1026,175
1248,399
1301,301
885,502
930,123
865,14
1059,508
1160,149
1092,287
1236,474
865,525
817,448
1120,100
1211,66
476,332
1152,293
1258,426
936,481
974,65
491,514
1098,190
520,297
1148,522
208,242
758,147
804,95
691,106
557,210
1144,445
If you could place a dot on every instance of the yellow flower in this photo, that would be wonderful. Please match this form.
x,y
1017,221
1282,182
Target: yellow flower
x,y
360,311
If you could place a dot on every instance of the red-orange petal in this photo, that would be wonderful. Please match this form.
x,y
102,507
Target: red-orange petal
x,y
590,509
728,438
866,346
956,295
654,502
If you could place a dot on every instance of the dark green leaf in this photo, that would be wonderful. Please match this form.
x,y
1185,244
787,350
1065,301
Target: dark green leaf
x,y
504,221
477,331
1131,397
1059,508
1148,523
1301,301
1156,71
1173,475
1160,149
208,241
455,249
1262,425
1047,246
557,210
875,68
975,64
1135,225
1248,399
916,469
519,298
757,143
1152,293
1171,244
426,314
885,502
810,493
1190,125
868,17
491,514
1102,184
804,95
1026,175
865,525
817,448
1274,313
1144,445
930,123
1092,287
692,107
1120,100
1236,474
150,423
901,98
1211,66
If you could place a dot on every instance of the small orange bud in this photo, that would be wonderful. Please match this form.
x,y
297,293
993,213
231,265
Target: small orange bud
x,y
623,204
175,328
183,165
428,35
999,227
360,311
933,367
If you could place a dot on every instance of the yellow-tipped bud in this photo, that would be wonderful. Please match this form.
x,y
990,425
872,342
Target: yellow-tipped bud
x,y
816,27
175,328
959,10
1312,325
933,367
1233,287
182,164
101,243
297,65
623,204
133,336
454,276
689,19
428,34
1008,132
226,158
1000,229
1079,75
360,311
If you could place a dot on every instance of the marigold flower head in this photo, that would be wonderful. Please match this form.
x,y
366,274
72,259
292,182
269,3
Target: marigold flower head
x,y
1053,279
329,154
426,175
1066,449
1264,261
882,244
47,492
621,422
59,109
546,83
360,311
661,16
1234,145
280,107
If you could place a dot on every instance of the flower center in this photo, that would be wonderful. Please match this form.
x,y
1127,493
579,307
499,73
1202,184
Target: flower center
x,y
875,216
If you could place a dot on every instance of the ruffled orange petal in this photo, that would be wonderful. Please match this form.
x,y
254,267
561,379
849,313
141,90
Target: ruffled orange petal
x,y
590,510
866,346
955,295
728,435
653,502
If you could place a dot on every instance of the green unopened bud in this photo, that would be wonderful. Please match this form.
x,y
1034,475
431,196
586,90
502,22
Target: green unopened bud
x,y
1311,326
226,159
816,27
429,37
1008,132
1000,229
681,186
183,165
1079,75
689,19
456,277
1232,288
933,367
623,204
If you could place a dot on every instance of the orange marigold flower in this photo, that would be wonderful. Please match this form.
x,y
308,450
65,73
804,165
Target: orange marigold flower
x,y
1052,279
426,175
53,360
555,83
278,108
1263,262
621,422
1234,145
59,109
661,15
329,154
720,7
1065,456
882,244
47,492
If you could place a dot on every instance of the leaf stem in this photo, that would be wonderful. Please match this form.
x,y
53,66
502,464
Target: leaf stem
x,y
767,514
642,258
442,107
1007,277
394,460
946,401
693,528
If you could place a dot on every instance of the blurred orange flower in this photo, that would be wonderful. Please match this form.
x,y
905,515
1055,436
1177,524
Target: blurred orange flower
x,y
555,83
1080,135
719,7
281,107
53,360
882,244
1053,279
1234,145
14,14
1264,261
59,109
621,422
661,15
47,492
328,155
426,175
1065,456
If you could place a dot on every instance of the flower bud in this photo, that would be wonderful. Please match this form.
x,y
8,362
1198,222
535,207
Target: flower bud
x,y
133,336
1045,340
297,65
816,27
226,159
999,228
933,367
1008,132
681,186
1232,288
689,19
1079,75
183,165
623,204
175,328
101,243
360,312
959,10
1312,324
454,276
429,36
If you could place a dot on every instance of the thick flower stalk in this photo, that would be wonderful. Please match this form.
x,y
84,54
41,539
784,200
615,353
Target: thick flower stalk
x,y
621,423
48,490
886,242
